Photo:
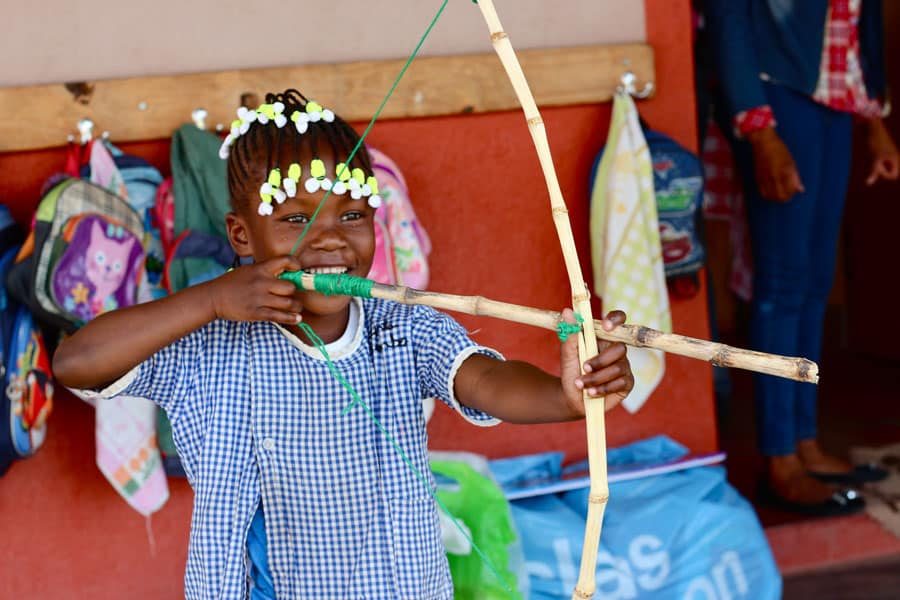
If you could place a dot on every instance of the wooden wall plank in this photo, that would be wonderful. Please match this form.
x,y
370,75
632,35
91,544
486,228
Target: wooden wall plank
x,y
152,107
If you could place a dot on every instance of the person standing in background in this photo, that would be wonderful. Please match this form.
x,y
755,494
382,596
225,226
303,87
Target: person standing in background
x,y
794,75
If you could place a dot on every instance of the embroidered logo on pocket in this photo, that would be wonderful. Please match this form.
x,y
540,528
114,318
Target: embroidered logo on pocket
x,y
384,336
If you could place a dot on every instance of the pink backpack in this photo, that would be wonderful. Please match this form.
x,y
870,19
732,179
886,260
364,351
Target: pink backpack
x,y
401,244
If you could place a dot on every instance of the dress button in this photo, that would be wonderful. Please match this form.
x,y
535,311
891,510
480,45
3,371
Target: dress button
x,y
268,444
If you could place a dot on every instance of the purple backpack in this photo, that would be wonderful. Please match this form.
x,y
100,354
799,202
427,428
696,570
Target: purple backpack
x,y
84,257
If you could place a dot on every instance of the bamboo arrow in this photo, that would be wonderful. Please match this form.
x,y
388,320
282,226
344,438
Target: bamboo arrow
x,y
720,355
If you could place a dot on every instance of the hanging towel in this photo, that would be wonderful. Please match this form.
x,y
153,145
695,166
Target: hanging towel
x,y
127,451
625,244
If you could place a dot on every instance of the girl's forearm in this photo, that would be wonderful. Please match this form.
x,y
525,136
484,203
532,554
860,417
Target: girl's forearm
x,y
513,391
110,345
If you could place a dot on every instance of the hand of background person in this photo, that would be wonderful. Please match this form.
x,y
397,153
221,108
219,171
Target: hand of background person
x,y
776,172
885,157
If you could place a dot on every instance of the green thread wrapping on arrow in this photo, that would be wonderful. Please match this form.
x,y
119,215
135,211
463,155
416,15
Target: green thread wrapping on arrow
x,y
358,401
334,284
564,330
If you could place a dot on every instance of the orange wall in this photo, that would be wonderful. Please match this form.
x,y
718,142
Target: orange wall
x,y
478,190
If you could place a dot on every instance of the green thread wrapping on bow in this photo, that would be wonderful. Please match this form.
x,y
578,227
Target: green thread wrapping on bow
x,y
564,330
337,284
358,401
371,123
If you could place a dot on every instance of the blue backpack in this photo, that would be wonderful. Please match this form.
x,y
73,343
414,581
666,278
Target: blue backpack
x,y
678,184
27,397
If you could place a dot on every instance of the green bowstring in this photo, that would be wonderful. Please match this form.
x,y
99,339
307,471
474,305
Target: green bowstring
x,y
564,330
371,123
358,401
347,285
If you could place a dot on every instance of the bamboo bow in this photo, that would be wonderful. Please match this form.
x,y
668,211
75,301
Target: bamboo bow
x,y
587,346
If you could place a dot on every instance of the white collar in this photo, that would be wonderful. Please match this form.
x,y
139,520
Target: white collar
x,y
343,346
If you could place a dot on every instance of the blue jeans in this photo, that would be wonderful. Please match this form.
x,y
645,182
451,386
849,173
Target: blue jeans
x,y
794,251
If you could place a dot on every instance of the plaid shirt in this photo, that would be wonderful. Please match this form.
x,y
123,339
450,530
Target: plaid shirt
x,y
256,416
841,85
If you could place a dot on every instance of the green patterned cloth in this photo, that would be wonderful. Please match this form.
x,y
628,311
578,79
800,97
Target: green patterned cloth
x,y
625,245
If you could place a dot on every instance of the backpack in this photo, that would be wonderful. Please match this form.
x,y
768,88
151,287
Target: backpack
x,y
27,397
401,244
201,201
137,181
84,257
131,177
678,184
188,246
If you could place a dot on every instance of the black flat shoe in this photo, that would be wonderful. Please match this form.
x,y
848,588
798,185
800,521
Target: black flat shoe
x,y
841,503
859,475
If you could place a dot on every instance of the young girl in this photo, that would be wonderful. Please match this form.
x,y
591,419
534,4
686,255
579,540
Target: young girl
x,y
297,493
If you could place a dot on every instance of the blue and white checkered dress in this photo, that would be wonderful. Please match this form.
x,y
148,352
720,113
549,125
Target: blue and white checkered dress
x,y
256,416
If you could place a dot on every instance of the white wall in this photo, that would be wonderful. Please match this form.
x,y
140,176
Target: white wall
x,y
50,41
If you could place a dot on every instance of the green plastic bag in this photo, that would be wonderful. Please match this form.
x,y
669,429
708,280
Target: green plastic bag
x,y
480,505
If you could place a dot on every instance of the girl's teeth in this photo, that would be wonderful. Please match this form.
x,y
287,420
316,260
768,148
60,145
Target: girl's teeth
x,y
328,270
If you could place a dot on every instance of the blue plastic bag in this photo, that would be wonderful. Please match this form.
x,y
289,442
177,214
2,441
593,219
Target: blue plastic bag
x,y
684,535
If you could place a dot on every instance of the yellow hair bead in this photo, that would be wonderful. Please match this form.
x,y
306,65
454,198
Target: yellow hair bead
x,y
275,177
267,109
359,175
294,171
317,167
342,172
236,123
372,183
295,116
312,107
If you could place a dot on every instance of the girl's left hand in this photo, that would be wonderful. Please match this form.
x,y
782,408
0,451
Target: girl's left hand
x,y
885,157
607,375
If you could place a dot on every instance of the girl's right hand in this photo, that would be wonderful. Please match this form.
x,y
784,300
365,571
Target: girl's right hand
x,y
255,293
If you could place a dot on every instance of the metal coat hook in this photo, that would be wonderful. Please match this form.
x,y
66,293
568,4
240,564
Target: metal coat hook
x,y
85,130
198,116
627,86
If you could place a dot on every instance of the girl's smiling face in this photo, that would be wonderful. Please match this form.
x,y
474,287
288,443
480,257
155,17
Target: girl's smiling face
x,y
341,238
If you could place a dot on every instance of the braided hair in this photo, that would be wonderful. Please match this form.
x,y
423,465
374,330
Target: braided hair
x,y
278,145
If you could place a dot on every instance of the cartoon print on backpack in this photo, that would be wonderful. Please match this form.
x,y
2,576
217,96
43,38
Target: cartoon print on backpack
x,y
29,387
106,266
99,269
